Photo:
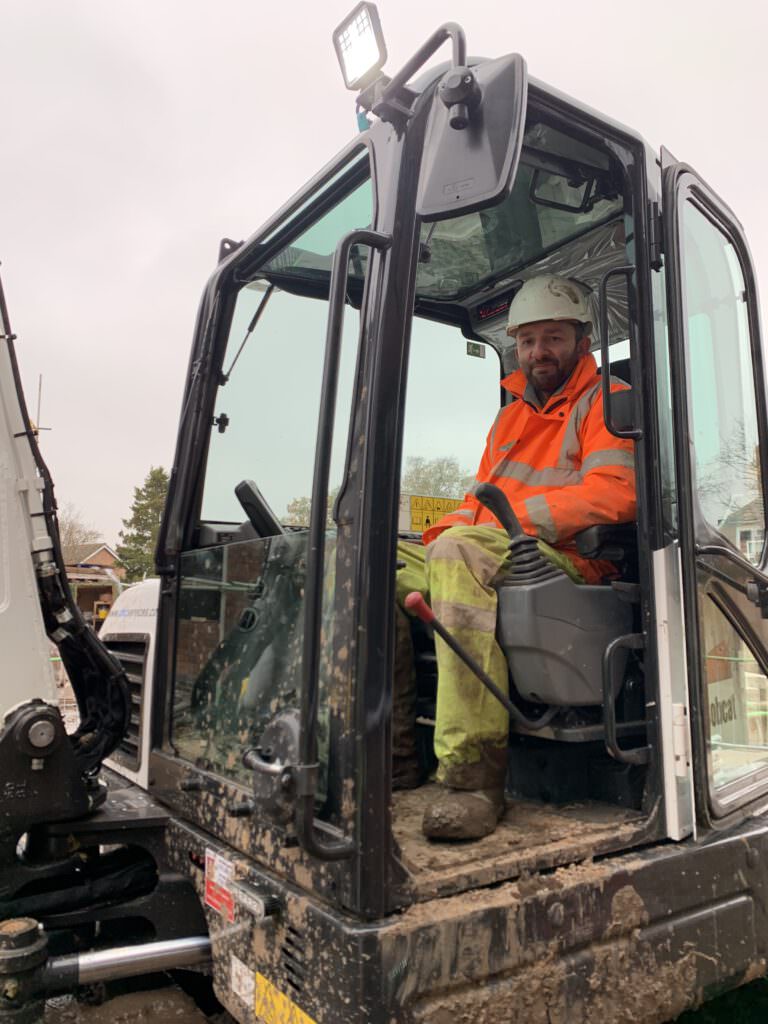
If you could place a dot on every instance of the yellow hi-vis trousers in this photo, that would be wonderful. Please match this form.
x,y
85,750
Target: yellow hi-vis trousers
x,y
456,574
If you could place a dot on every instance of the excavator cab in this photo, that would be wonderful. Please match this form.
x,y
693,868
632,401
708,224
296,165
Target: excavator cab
x,y
267,653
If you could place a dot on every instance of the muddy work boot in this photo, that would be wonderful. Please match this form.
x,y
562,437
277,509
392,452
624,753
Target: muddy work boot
x,y
464,814
472,798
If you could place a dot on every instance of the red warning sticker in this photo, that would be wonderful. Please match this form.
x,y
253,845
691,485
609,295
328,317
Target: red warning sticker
x,y
219,873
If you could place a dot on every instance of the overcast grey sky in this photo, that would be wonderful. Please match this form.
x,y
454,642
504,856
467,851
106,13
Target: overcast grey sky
x,y
135,136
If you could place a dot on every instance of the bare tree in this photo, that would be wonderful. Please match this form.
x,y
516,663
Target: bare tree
x,y
73,527
298,511
441,477
731,478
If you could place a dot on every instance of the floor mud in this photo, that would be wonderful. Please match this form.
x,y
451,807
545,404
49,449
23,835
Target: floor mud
x,y
530,836
164,1006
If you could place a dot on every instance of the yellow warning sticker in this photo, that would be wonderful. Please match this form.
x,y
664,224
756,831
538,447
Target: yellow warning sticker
x,y
426,511
271,1006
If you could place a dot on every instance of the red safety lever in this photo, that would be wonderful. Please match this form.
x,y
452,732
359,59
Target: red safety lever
x,y
416,605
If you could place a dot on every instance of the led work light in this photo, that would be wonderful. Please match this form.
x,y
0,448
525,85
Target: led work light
x,y
360,47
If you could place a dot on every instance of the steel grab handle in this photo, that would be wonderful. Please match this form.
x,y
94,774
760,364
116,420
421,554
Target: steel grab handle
x,y
632,433
639,755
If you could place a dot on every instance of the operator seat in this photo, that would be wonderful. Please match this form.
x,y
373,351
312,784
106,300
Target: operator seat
x,y
554,632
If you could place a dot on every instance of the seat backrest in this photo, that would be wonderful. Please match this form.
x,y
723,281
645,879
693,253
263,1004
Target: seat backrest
x,y
612,542
621,368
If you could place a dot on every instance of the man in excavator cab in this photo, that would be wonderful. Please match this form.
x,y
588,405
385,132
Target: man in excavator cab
x,y
550,453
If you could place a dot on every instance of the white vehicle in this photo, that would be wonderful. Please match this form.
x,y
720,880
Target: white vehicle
x,y
128,632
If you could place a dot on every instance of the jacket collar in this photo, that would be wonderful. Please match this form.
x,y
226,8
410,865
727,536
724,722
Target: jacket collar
x,y
584,374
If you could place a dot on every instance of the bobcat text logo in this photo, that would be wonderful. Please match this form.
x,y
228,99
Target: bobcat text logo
x,y
722,711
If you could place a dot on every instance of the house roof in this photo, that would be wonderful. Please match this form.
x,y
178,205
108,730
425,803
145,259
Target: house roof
x,y
76,554
748,515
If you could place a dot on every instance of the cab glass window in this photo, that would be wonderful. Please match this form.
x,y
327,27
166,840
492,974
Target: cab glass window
x,y
563,191
452,400
726,442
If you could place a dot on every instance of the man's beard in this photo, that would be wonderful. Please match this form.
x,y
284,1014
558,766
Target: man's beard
x,y
550,377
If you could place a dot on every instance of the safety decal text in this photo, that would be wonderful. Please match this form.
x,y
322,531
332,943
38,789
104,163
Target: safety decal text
x,y
219,873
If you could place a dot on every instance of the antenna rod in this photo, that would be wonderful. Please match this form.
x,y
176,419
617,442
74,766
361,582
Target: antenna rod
x,y
39,399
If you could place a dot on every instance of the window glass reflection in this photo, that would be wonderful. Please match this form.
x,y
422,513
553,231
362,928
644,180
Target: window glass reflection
x,y
736,700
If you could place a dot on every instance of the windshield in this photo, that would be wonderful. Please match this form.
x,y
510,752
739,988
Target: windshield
x,y
241,608
562,190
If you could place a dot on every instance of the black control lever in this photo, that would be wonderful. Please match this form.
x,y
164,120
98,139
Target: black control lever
x,y
262,518
527,564
496,501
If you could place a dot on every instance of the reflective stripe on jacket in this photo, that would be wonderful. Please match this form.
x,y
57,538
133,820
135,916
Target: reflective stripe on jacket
x,y
560,467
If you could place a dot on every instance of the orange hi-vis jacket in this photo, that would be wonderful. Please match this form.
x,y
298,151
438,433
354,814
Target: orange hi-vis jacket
x,y
560,467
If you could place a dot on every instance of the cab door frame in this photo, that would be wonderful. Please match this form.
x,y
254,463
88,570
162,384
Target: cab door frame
x,y
703,552
218,803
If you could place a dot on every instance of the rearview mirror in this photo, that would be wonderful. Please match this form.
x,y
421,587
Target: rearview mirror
x,y
467,168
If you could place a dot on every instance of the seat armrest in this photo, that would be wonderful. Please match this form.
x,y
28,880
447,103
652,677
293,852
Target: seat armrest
x,y
608,541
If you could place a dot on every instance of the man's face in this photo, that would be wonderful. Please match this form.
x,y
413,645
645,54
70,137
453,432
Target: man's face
x,y
547,352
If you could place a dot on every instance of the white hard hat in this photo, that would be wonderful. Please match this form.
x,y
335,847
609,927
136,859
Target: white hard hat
x,y
549,298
